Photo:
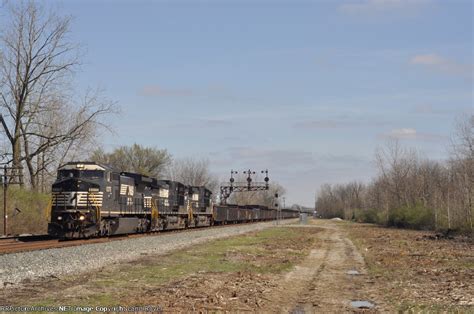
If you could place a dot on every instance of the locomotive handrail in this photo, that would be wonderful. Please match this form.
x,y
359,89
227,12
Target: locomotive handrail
x,y
155,213
190,212
92,200
48,209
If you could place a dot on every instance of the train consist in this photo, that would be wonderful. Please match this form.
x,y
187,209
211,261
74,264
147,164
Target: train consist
x,y
92,200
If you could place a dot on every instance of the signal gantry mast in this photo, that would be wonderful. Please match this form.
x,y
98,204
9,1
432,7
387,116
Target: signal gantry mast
x,y
228,188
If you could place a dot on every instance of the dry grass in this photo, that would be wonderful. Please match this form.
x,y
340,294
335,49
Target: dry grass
x,y
202,276
31,217
415,271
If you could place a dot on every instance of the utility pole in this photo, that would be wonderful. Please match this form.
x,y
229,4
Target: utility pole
x,y
5,200
15,173
278,209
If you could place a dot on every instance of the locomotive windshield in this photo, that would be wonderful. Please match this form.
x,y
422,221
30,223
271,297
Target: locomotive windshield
x,y
86,174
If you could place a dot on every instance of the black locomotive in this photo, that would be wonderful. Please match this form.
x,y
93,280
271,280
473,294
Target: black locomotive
x,y
90,200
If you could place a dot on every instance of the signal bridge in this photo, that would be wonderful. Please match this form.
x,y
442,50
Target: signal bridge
x,y
228,188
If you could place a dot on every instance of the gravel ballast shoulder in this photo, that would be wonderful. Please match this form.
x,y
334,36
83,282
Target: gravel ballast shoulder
x,y
16,267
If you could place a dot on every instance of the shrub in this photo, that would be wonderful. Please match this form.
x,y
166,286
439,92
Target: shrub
x,y
415,217
369,215
32,217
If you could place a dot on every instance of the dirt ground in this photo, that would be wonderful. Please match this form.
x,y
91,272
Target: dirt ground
x,y
314,268
418,270
318,283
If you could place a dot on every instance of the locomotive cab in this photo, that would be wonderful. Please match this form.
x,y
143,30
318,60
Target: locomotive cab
x,y
200,198
79,193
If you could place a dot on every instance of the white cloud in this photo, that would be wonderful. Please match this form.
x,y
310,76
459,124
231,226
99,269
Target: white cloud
x,y
265,157
426,109
377,6
413,134
429,59
403,133
340,122
156,90
210,92
320,124
438,63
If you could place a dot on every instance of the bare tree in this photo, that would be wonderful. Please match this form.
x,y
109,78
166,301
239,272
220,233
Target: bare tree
x,y
463,139
396,164
136,158
195,172
340,200
36,70
462,165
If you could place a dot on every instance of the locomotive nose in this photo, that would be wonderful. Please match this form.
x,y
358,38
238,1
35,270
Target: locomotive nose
x,y
75,184
76,193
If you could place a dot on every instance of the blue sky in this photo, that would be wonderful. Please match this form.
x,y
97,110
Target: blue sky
x,y
307,89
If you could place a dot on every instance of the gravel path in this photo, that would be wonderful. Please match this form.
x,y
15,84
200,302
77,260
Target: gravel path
x,y
17,267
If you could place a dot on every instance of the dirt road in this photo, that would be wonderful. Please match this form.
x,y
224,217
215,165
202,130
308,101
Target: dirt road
x,y
328,280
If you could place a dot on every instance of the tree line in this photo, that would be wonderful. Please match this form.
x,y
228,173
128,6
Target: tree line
x,y
409,190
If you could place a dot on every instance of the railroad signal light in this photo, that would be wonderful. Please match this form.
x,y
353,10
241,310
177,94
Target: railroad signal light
x,y
231,180
249,185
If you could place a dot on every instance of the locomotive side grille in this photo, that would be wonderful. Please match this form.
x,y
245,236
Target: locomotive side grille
x,y
83,199
164,193
147,201
126,189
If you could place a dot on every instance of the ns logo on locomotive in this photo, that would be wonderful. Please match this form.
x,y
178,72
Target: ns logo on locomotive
x,y
90,200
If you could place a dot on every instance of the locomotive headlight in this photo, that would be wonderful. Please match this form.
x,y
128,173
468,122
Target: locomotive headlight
x,y
60,218
82,217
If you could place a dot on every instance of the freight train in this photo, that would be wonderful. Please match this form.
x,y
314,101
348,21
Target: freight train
x,y
93,200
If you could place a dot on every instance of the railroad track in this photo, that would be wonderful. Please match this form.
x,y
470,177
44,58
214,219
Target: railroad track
x,y
43,242
14,245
